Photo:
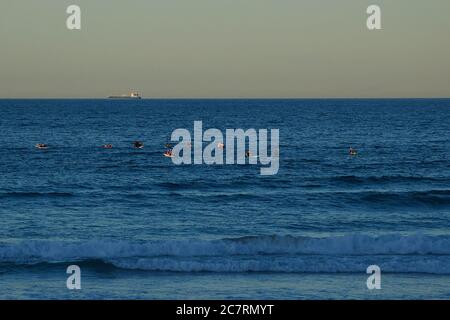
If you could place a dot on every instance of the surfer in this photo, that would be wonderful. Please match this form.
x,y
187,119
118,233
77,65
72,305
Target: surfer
x,y
168,153
138,144
248,154
352,152
41,146
107,146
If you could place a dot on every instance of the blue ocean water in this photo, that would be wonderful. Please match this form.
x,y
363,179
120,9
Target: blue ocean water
x,y
141,227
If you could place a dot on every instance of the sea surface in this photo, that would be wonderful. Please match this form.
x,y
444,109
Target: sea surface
x,y
140,227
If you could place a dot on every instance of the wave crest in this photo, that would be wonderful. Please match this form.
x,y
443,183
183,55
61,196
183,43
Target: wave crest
x,y
416,253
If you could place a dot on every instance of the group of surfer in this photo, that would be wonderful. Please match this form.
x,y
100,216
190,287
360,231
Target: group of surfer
x,y
136,144
140,145
169,153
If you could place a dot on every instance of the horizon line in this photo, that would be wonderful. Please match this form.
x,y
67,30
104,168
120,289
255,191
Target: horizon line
x,y
227,98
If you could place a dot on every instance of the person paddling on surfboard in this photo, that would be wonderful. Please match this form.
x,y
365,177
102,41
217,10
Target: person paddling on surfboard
x,y
41,146
138,144
168,153
352,152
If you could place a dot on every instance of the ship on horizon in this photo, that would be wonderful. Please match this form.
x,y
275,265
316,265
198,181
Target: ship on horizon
x,y
132,95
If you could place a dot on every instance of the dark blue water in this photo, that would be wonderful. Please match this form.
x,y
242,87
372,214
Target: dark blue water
x,y
130,210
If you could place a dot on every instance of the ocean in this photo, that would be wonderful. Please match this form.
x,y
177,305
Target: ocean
x,y
140,227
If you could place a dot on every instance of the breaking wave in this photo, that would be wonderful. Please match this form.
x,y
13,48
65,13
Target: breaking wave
x,y
351,253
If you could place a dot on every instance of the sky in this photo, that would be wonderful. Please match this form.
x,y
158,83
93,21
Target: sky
x,y
225,49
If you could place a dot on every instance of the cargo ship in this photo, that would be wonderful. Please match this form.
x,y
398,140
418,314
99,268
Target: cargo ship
x,y
132,95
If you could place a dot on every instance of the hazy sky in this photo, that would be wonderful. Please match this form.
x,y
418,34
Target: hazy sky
x,y
225,48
